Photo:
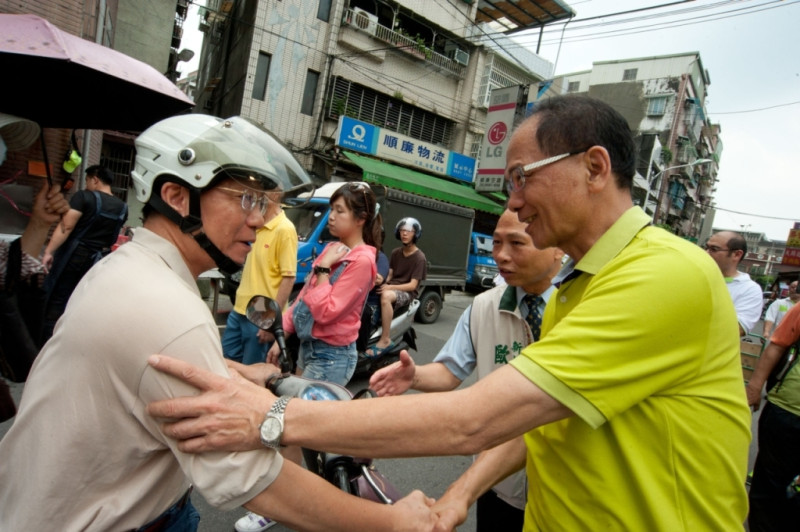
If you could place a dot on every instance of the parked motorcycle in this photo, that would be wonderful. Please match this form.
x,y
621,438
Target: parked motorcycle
x,y
402,334
357,476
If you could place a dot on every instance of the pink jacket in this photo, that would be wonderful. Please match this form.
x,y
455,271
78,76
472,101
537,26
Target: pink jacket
x,y
337,308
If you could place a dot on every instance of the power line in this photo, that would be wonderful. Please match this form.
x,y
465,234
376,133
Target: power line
x,y
755,215
655,16
755,110
678,24
711,17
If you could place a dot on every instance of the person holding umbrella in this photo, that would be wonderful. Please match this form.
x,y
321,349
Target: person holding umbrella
x,y
20,267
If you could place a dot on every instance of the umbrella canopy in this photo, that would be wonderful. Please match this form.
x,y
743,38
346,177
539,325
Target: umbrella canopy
x,y
62,81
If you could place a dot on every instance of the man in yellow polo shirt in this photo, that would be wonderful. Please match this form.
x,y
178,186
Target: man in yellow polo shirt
x,y
270,270
631,403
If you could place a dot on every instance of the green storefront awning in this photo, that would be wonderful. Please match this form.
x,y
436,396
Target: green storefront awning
x,y
415,182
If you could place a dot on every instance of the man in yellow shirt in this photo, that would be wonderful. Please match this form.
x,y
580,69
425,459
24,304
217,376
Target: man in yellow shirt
x,y
270,270
631,403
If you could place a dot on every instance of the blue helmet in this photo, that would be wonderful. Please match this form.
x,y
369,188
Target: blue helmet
x,y
409,224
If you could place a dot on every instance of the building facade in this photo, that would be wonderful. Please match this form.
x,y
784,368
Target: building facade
x,y
663,99
423,69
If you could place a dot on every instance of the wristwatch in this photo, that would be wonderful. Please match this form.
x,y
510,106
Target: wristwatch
x,y
272,427
321,269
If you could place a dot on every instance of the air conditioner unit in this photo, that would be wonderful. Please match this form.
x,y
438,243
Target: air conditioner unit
x,y
460,56
365,21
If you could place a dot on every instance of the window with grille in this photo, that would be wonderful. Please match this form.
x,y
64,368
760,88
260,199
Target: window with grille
x,y
686,152
497,74
630,74
119,159
474,142
365,104
574,86
656,106
262,74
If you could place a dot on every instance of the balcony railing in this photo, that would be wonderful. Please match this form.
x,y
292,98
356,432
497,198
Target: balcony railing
x,y
402,42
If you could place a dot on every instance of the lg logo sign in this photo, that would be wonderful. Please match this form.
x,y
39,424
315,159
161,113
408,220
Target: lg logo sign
x,y
497,133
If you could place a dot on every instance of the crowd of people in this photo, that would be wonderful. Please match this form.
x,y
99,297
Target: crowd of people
x,y
617,397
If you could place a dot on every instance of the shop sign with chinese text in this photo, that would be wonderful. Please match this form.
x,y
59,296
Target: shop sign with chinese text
x,y
424,156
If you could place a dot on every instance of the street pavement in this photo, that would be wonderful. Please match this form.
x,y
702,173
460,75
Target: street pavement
x,y
431,475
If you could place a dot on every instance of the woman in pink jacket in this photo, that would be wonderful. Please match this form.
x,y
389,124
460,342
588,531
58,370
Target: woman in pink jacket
x,y
336,290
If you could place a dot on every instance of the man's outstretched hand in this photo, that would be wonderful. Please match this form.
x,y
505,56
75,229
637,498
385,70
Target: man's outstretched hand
x,y
225,416
396,378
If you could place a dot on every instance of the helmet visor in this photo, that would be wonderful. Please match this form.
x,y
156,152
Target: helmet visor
x,y
249,154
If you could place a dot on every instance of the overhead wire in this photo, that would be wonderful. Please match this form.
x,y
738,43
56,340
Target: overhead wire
x,y
755,110
782,218
678,24
711,17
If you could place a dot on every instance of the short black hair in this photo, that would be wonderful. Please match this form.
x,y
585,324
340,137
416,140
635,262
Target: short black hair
x,y
570,123
100,172
736,243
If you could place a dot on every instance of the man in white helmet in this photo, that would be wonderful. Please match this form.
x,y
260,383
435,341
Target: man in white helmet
x,y
82,453
408,267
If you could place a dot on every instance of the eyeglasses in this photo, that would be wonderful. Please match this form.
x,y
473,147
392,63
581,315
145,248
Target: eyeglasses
x,y
714,249
250,199
517,176
363,187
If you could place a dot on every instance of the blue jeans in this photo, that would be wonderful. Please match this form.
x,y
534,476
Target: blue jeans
x,y
240,341
184,519
325,362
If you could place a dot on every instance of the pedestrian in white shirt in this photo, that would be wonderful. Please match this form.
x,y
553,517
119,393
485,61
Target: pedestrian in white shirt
x,y
728,249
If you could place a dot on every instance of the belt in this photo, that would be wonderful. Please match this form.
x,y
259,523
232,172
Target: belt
x,y
161,521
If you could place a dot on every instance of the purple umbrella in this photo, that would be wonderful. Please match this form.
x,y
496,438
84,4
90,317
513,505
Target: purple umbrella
x,y
62,81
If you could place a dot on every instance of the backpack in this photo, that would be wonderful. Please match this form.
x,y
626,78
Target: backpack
x,y
783,367
64,253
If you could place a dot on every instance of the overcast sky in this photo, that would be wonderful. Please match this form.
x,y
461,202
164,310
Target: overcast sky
x,y
751,49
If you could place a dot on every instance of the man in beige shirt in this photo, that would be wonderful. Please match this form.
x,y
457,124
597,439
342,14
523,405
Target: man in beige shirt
x,y
83,454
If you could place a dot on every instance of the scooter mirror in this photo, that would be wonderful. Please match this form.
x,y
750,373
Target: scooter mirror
x,y
263,312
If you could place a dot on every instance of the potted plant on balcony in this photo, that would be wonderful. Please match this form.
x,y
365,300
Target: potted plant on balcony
x,y
411,45
422,48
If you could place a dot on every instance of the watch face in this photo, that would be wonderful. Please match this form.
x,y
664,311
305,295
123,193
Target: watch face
x,y
271,430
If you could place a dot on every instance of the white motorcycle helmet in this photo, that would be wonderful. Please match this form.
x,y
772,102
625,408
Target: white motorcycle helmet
x,y
408,224
196,151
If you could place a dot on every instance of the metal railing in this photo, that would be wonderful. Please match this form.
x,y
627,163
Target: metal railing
x,y
405,44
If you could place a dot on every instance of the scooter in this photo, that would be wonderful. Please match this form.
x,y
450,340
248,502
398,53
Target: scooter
x,y
402,334
357,476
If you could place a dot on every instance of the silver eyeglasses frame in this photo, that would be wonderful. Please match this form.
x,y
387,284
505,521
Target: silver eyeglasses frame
x,y
518,175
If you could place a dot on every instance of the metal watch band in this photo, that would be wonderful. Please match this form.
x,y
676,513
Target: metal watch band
x,y
279,406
